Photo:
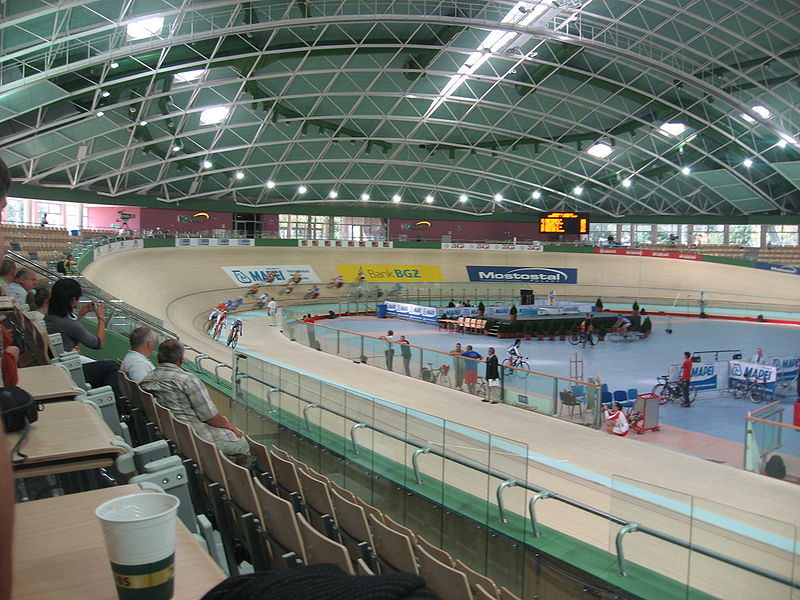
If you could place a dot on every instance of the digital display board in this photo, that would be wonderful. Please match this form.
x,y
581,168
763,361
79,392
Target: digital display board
x,y
564,222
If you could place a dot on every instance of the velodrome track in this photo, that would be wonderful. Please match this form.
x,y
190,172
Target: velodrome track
x,y
181,284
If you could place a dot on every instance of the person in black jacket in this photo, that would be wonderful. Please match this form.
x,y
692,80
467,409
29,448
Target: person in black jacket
x,y
492,377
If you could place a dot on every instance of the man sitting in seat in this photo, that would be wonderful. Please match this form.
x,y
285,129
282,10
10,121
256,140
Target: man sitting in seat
x,y
187,399
136,364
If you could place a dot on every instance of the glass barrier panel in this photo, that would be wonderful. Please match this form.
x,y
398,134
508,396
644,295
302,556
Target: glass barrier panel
x,y
753,539
653,563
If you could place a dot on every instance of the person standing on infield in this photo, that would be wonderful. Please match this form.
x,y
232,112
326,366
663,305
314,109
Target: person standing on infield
x,y
686,378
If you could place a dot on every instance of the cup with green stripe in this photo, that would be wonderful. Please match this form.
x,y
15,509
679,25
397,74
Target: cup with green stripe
x,y
139,531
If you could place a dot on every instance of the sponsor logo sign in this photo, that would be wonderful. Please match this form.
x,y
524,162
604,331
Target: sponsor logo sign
x,y
778,268
502,247
522,274
391,273
212,242
414,312
115,247
650,253
243,275
741,371
344,244
788,367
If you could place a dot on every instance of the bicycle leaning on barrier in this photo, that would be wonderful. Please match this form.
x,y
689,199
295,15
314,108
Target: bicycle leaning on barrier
x,y
672,391
754,389
436,375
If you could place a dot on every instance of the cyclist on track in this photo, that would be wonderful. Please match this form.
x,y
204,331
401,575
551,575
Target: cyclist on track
x,y
587,325
220,324
237,303
227,305
313,292
235,327
513,351
212,318
262,301
252,290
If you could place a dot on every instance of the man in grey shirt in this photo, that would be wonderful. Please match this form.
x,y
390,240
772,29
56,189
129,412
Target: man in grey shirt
x,y
136,364
24,282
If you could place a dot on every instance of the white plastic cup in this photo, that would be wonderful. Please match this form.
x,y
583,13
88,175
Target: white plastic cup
x,y
139,531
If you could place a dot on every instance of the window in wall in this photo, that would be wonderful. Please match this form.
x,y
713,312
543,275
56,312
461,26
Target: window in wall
x,y
782,235
643,233
319,228
708,234
663,233
599,232
625,234
744,235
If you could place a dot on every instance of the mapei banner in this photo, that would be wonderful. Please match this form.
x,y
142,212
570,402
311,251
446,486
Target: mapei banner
x,y
506,247
390,273
744,372
788,367
114,247
523,275
243,275
778,268
214,242
414,312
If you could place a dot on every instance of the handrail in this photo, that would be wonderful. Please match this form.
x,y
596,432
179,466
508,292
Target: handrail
x,y
509,481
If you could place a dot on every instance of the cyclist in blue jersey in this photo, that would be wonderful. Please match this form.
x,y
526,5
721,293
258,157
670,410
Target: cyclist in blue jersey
x,y
236,329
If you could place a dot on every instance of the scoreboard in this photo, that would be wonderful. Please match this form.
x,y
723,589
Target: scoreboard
x,y
564,222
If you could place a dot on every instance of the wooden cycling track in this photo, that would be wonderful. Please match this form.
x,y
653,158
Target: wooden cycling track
x,y
179,284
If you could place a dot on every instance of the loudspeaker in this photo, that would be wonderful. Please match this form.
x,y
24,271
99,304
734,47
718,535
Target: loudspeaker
x,y
737,357
526,297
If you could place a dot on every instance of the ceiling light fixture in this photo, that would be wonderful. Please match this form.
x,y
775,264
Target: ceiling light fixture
x,y
748,162
365,196
99,113
577,190
207,164
626,183
114,64
176,148
536,194
214,115
498,198
302,189
686,170
270,184
333,194
239,175
429,199
601,148
674,128
463,198
785,137
396,198
143,122
105,94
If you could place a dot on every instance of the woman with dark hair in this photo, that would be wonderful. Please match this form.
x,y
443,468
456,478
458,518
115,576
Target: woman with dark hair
x,y
61,318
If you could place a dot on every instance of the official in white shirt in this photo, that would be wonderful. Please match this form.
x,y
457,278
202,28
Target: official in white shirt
x,y
758,357
136,364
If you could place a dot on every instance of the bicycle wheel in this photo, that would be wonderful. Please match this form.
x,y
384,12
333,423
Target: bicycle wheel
x,y
575,338
692,392
480,387
507,364
522,374
738,389
756,395
235,340
444,380
592,338
662,392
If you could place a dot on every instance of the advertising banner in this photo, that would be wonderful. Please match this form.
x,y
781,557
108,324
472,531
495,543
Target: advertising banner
x,y
650,253
344,244
502,247
742,371
390,273
522,274
114,247
214,242
705,376
778,268
414,312
243,275
788,367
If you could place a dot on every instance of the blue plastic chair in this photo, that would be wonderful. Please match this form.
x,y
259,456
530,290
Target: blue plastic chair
x,y
632,394
580,393
606,397
621,396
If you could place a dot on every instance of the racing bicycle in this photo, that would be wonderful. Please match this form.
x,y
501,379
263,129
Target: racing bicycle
x,y
436,375
517,365
671,391
752,388
234,338
218,329
582,337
